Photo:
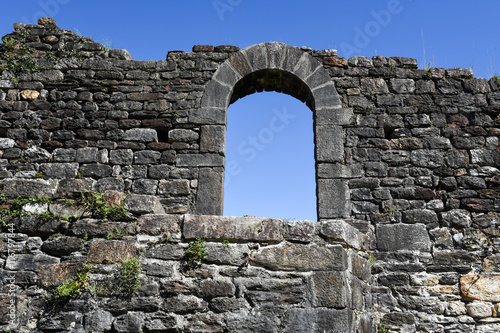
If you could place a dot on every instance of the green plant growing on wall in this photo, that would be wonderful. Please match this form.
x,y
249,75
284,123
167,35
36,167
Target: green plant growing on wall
x,y
76,285
95,204
116,233
128,277
197,251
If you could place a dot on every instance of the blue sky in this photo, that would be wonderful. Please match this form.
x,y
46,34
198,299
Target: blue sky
x,y
277,178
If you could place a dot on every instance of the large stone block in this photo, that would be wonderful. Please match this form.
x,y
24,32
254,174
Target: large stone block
x,y
210,194
481,287
59,170
110,251
331,289
302,257
300,320
333,199
397,237
29,262
28,188
341,231
143,204
233,228
329,143
54,275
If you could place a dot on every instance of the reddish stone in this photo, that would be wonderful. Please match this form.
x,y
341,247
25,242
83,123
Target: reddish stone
x,y
481,287
110,252
478,205
113,198
54,275
335,61
203,48
158,146
158,123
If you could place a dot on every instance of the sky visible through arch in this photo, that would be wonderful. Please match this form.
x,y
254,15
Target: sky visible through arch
x,y
437,33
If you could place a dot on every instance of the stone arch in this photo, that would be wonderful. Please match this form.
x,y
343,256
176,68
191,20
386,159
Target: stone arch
x,y
282,68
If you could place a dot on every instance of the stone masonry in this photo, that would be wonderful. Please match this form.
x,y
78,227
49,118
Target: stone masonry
x,y
104,159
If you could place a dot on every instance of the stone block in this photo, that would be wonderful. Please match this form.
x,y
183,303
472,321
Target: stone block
x,y
199,160
110,251
402,237
143,204
246,228
338,170
110,184
481,287
341,231
96,170
128,323
87,155
121,156
210,192
424,216
176,187
300,231
182,135
302,257
62,246
212,139
141,135
51,276
333,199
29,262
207,116
145,186
98,320
147,157
329,143
28,188
331,289
300,320
59,170
334,116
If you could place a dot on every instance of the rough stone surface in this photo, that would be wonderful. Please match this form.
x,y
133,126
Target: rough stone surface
x,y
407,188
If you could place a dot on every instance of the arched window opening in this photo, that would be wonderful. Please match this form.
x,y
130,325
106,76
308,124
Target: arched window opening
x,y
270,167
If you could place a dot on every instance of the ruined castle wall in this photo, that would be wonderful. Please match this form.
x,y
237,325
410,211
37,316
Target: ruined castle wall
x,y
408,157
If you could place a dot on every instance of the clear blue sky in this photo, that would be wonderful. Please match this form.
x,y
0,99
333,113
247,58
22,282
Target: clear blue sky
x,y
437,33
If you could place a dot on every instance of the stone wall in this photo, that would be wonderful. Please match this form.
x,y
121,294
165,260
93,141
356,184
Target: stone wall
x,y
407,179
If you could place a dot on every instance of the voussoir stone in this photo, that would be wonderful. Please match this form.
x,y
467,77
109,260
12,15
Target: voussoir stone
x,y
233,228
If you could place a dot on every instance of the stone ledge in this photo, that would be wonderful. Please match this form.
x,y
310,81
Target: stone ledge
x,y
247,228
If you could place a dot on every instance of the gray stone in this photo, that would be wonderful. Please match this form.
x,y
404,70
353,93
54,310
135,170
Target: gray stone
x,y
333,199
330,289
319,320
7,143
302,257
182,135
300,231
145,186
339,230
402,86
143,204
212,139
233,228
128,323
59,170
141,135
29,262
400,237
36,154
147,157
121,156
200,160
98,321
424,216
64,155
159,171
329,144
96,170
28,188
110,183
176,187
87,155
210,192
338,170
